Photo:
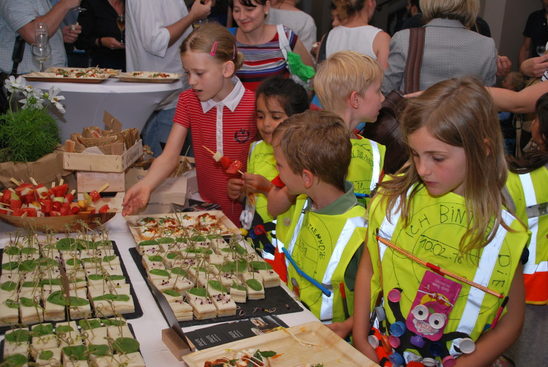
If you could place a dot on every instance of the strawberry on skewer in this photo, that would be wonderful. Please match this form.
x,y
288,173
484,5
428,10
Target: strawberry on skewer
x,y
231,167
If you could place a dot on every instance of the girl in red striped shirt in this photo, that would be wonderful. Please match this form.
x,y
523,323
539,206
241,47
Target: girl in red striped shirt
x,y
217,109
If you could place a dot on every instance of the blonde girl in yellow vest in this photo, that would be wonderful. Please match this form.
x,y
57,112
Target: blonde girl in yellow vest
x,y
442,254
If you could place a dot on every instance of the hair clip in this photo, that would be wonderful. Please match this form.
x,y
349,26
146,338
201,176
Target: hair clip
x,y
213,50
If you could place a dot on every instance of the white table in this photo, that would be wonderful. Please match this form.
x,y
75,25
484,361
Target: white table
x,y
131,103
148,327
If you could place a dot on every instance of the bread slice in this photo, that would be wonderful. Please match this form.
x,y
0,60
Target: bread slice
x,y
49,357
21,343
270,278
9,309
30,309
254,286
83,310
225,304
52,311
238,293
68,333
182,310
43,338
202,306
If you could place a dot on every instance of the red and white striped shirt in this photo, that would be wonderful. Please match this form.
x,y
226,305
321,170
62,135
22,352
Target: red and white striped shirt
x,y
238,130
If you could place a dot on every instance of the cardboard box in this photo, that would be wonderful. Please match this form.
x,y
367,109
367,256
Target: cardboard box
x,y
45,170
173,190
89,181
103,162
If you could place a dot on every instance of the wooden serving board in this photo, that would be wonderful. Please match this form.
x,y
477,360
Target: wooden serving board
x,y
310,343
135,229
148,77
52,77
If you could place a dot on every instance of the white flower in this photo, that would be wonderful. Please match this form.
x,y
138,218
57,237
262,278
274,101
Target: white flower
x,y
14,85
55,99
33,99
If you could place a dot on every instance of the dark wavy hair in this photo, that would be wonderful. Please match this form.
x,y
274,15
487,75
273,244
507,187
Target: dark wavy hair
x,y
291,96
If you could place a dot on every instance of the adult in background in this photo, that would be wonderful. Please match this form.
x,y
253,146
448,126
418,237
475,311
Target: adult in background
x,y
101,37
286,12
260,43
450,48
19,17
354,33
154,33
535,34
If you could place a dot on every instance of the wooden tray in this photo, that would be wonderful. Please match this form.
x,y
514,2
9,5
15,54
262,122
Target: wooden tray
x,y
134,229
148,77
110,72
309,343
67,223
52,77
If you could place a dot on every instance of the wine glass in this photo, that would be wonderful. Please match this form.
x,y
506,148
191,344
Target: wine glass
x,y
41,53
541,49
121,24
41,33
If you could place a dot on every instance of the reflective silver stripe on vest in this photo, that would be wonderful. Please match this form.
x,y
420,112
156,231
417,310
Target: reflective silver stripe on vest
x,y
488,260
297,230
376,174
530,199
326,312
388,227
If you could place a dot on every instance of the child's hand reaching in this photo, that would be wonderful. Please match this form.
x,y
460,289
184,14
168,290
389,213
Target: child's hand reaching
x,y
235,188
135,198
257,183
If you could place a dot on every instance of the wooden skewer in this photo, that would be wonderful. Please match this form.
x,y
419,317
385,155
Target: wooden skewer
x,y
33,181
209,150
104,187
15,181
7,209
438,269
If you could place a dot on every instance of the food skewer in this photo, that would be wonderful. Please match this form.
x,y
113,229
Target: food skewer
x,y
226,162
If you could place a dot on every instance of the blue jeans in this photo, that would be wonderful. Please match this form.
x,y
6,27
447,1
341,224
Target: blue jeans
x,y
157,129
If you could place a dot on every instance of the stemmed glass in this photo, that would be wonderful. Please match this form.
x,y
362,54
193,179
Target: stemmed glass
x,y
121,23
40,48
41,53
78,9
541,50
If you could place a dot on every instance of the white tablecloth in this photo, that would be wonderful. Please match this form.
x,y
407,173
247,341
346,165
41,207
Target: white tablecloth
x,y
131,103
148,327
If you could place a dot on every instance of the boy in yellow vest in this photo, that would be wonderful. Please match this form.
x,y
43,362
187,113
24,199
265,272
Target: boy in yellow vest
x,y
348,84
312,151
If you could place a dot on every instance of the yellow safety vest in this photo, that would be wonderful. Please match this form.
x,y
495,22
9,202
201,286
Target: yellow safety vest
x,y
365,166
528,191
433,234
323,245
261,161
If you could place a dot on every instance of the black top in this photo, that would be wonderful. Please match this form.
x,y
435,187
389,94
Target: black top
x,y
537,30
100,21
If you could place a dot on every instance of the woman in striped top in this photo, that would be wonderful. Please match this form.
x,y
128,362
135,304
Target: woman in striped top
x,y
260,43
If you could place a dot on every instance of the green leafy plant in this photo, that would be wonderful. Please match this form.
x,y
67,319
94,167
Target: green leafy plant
x,y
28,132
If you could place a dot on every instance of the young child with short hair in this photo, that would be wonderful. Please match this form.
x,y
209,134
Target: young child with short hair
x,y
441,249
218,110
312,151
277,98
348,84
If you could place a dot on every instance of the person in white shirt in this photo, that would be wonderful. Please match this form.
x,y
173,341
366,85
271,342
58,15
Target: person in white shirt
x,y
154,33
286,12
